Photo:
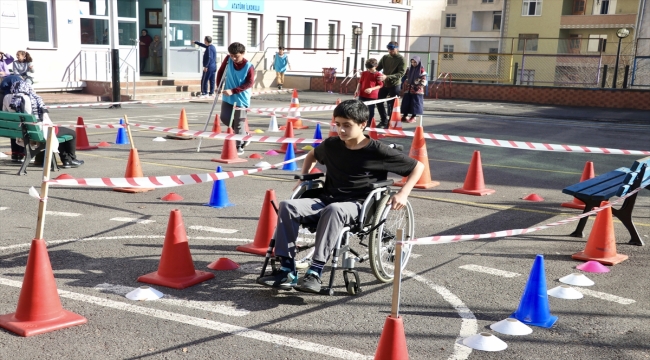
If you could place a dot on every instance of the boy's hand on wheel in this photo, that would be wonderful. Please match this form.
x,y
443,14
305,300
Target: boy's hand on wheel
x,y
398,201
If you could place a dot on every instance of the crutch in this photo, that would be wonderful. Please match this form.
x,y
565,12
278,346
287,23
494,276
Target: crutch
x,y
207,121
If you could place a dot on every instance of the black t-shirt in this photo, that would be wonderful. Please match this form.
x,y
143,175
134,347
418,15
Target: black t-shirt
x,y
350,172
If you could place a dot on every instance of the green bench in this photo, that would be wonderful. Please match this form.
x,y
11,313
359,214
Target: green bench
x,y
27,127
618,182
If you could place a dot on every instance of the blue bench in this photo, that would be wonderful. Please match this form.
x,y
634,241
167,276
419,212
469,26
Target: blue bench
x,y
614,183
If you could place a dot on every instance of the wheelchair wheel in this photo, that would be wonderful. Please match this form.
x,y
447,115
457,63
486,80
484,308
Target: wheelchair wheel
x,y
382,240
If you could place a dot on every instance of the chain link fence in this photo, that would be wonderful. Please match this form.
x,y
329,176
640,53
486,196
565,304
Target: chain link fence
x,y
641,65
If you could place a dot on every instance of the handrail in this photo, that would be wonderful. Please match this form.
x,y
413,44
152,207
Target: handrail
x,y
441,80
347,80
129,66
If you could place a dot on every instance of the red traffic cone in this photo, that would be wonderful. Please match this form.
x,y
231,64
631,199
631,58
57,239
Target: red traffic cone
x,y
373,134
176,268
419,153
315,170
288,133
587,174
82,136
474,184
216,127
395,122
265,227
133,170
223,264
39,307
229,152
293,117
601,245
392,343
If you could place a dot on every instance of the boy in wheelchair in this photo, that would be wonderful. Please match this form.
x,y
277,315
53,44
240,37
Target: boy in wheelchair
x,y
354,162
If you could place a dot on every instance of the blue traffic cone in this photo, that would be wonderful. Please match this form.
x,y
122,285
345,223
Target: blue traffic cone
x,y
317,135
533,308
121,138
219,196
289,156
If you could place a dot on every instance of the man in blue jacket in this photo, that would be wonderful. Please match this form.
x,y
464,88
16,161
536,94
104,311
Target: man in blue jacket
x,y
209,66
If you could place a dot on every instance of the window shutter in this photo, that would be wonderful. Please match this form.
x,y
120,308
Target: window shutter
x,y
251,35
218,30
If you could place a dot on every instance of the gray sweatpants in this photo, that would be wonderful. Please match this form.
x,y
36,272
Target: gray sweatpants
x,y
330,218
238,121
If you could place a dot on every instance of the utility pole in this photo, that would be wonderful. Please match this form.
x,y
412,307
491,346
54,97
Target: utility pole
x,y
115,53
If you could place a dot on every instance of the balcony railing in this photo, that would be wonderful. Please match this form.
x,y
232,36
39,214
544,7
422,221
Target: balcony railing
x,y
597,21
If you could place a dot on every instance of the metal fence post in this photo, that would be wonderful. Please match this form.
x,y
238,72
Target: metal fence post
x,y
347,66
625,74
602,85
433,70
514,80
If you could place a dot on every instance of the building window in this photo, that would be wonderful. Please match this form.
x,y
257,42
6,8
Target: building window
x,y
39,21
450,21
219,30
578,7
596,43
309,34
353,44
283,25
529,41
531,8
184,23
452,2
496,20
375,30
394,33
493,51
332,35
487,1
448,51
94,22
527,77
252,32
604,7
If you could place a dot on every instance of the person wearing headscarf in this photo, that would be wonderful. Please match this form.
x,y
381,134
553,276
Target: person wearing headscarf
x,y
23,99
413,98
145,42
5,61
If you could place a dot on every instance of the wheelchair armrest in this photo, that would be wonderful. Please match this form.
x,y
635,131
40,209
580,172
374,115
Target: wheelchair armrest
x,y
382,183
308,176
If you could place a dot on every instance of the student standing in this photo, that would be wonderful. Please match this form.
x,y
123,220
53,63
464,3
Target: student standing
x,y
394,69
413,98
369,85
209,66
145,42
280,64
156,55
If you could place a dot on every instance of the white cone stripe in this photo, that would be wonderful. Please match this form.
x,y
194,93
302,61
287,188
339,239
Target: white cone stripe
x,y
206,324
488,270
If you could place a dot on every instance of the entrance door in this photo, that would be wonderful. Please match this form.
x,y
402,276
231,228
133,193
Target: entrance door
x,y
181,27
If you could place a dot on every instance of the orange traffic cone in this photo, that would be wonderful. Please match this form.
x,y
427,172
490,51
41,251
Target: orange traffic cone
x,y
419,153
39,307
315,170
176,268
333,130
395,122
82,136
601,245
474,184
182,124
294,116
133,170
288,133
587,174
216,127
265,227
392,343
374,134
229,152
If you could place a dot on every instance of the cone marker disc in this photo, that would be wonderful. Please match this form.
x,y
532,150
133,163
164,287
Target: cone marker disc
x,y
565,292
144,293
511,326
485,341
577,280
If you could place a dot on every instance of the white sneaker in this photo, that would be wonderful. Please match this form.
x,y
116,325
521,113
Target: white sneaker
x,y
240,150
247,142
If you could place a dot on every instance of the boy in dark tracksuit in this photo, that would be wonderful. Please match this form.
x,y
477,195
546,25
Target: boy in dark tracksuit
x,y
394,68
209,66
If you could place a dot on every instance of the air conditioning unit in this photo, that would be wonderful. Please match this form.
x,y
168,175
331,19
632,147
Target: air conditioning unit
x,y
397,1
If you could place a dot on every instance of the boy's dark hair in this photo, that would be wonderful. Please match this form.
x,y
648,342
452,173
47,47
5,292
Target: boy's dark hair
x,y
353,110
280,47
208,39
371,63
236,48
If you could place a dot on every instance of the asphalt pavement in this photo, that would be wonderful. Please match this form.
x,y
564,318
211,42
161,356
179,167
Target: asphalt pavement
x,y
101,241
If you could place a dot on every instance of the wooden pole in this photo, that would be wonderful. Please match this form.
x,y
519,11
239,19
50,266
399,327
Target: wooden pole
x,y
397,275
45,186
128,131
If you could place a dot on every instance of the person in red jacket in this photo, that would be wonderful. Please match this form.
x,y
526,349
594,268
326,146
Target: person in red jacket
x,y
369,85
145,42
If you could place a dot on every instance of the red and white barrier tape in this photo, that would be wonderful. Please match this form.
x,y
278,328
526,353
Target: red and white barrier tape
x,y
307,108
447,239
171,101
165,181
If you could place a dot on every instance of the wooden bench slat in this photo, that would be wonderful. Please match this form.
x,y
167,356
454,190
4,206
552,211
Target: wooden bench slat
x,y
639,163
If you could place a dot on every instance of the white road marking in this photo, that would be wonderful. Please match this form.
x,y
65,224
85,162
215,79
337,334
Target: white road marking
x,y
415,256
491,271
60,213
56,242
3,208
170,300
213,229
206,324
605,296
133,220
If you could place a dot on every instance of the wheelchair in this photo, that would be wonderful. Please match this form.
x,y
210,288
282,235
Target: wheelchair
x,y
375,230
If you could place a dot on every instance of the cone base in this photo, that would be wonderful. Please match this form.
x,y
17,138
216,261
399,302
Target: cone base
x,y
229,161
220,206
132,190
573,205
176,283
392,343
549,322
612,260
87,147
481,192
179,137
30,328
419,186
252,249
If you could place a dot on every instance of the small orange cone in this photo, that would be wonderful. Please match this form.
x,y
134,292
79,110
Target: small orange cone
x,y
392,343
395,122
172,197
216,127
82,136
288,133
601,245
133,170
229,152
182,124
587,174
374,134
176,268
419,152
474,183
39,307
265,227
294,116
533,197
223,264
